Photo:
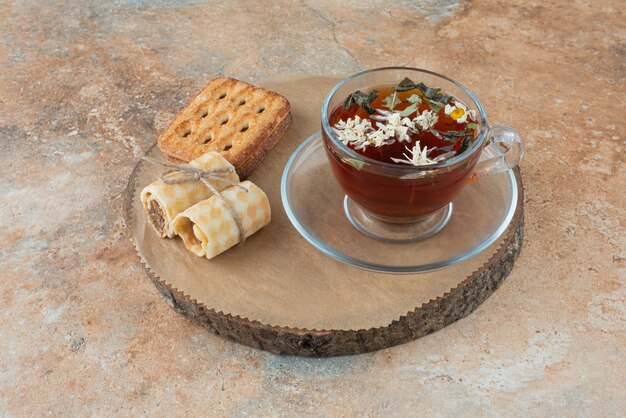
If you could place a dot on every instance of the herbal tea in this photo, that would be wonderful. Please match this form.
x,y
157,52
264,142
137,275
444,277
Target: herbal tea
x,y
407,124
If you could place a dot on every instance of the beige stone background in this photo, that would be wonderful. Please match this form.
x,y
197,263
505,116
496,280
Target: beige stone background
x,y
86,86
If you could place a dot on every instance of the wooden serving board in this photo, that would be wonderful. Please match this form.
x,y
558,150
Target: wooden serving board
x,y
278,293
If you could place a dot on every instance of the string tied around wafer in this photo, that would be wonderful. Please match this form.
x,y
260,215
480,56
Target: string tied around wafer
x,y
185,173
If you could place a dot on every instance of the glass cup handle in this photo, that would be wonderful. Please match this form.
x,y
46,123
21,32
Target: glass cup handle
x,y
506,149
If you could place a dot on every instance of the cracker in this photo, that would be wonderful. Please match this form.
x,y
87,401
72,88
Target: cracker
x,y
240,121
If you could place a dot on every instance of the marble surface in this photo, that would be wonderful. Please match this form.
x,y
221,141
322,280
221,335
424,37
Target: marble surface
x,y
85,88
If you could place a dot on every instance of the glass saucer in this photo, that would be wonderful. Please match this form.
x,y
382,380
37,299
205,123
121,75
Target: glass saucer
x,y
314,203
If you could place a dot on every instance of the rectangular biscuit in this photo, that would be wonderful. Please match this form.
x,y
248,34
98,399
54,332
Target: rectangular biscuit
x,y
240,121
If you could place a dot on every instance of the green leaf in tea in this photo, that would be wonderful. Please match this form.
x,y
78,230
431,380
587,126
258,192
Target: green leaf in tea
x,y
405,85
406,112
465,144
436,99
433,93
453,136
446,149
472,125
362,99
354,163
391,101
435,106
414,98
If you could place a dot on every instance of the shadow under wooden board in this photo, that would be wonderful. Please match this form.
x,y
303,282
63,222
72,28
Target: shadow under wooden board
x,y
278,293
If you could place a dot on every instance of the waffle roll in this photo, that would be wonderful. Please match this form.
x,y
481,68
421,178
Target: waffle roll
x,y
210,227
162,202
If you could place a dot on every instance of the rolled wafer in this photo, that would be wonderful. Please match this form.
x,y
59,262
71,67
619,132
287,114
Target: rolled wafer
x,y
209,228
162,201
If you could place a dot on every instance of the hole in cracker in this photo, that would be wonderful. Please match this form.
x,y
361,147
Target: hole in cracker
x,y
227,147
241,102
183,130
260,109
244,128
207,139
224,121
204,114
221,96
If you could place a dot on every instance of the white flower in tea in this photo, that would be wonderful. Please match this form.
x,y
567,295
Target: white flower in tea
x,y
398,125
419,156
382,136
426,120
359,133
353,131
459,112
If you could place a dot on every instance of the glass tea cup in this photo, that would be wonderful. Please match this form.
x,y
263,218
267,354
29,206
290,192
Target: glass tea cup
x,y
402,203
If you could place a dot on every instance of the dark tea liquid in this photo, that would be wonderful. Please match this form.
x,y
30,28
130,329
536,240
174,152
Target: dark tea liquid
x,y
383,192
